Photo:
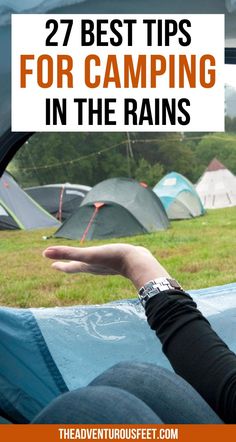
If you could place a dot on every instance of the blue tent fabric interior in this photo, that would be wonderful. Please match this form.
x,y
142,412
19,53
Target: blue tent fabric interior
x,y
47,351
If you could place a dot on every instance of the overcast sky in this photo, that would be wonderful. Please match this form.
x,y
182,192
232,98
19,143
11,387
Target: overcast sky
x,y
230,75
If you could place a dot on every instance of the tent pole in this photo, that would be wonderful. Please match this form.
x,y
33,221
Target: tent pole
x,y
129,153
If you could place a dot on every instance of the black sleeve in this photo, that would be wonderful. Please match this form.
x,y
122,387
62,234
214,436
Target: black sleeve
x,y
194,350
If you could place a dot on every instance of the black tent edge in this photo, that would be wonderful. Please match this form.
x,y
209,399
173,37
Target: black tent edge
x,y
230,55
10,143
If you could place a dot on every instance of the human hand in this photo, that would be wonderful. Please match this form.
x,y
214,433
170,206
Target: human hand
x,y
133,262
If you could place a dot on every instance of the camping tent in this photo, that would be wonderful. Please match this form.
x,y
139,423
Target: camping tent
x,y
99,221
144,205
18,210
59,199
217,186
179,197
114,208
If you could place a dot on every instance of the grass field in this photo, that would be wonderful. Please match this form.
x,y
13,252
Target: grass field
x,y
199,253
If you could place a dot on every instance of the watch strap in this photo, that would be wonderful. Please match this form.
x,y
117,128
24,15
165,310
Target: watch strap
x,y
155,286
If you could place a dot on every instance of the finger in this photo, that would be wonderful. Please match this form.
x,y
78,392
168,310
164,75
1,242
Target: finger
x,y
90,255
73,253
80,267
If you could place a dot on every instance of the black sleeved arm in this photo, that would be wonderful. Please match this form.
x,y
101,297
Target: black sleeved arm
x,y
194,350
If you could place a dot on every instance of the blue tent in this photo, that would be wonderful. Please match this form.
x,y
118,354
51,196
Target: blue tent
x,y
179,197
45,352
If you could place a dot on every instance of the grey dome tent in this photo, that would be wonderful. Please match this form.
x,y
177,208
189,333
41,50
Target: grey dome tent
x,y
100,220
179,197
59,199
136,197
18,210
114,208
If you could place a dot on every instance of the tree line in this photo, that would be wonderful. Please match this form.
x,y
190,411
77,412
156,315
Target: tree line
x,y
88,157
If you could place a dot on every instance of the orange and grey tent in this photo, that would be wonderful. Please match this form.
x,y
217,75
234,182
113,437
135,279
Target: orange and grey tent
x,y
116,207
100,220
59,199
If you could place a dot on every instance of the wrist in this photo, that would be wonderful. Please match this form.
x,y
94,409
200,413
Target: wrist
x,y
144,275
140,266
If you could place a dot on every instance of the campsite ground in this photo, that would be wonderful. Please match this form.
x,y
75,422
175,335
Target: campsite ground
x,y
199,253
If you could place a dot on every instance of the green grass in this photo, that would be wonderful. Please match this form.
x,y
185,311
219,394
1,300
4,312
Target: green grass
x,y
199,253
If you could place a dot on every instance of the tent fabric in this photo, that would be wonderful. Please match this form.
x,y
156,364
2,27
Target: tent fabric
x,y
110,220
179,197
174,6
141,202
59,199
6,220
217,186
30,6
44,352
29,377
18,210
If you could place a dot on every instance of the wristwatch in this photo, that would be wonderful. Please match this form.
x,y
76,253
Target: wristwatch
x,y
155,286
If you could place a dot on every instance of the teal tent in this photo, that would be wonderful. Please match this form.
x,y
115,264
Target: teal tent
x,y
179,197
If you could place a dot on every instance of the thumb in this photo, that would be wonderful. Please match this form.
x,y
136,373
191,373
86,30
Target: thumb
x,y
69,267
